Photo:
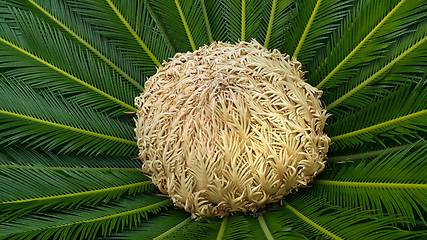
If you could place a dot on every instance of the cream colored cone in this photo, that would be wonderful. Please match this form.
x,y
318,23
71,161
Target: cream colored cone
x,y
230,128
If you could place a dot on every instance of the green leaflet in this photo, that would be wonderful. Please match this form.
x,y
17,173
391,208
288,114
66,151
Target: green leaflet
x,y
390,184
389,117
58,124
35,188
86,222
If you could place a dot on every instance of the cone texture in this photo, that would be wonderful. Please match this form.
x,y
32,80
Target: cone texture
x,y
230,128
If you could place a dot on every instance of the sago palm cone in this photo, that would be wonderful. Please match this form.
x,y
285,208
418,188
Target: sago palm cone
x,y
230,128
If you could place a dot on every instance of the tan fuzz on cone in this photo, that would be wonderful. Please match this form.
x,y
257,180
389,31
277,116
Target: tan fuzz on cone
x,y
230,128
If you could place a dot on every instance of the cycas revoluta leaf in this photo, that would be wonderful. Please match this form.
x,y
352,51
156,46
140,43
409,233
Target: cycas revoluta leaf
x,y
314,217
86,222
363,37
313,21
162,226
16,156
405,55
390,184
130,27
184,20
45,121
388,117
276,19
58,13
60,65
35,188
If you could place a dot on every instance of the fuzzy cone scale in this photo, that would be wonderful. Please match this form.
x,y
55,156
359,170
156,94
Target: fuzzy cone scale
x,y
230,128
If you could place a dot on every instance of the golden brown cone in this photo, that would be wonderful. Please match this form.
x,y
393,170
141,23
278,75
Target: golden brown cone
x,y
230,128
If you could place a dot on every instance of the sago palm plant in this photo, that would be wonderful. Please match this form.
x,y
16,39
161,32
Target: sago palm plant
x,y
71,69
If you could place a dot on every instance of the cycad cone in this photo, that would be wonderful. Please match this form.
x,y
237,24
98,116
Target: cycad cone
x,y
230,128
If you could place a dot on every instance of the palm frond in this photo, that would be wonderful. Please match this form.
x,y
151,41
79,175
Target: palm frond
x,y
130,27
368,151
276,18
59,14
314,218
45,121
242,19
362,38
84,222
390,184
37,188
314,20
17,156
389,117
407,55
215,14
231,227
185,22
162,226
60,65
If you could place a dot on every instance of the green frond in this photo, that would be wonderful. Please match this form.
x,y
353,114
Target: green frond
x,y
185,21
270,23
231,227
310,26
86,44
162,31
130,27
265,228
56,12
205,16
60,65
405,56
307,28
37,188
134,34
84,222
274,23
242,19
17,156
344,154
45,121
388,117
132,31
161,226
314,218
362,38
390,184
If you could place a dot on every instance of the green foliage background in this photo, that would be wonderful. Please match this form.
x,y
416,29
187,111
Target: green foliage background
x,y
70,70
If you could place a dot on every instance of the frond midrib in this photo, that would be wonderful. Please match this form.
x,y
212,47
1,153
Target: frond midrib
x,y
173,229
89,46
68,75
130,29
264,228
270,24
62,126
366,155
365,184
359,46
379,126
141,209
376,75
184,22
307,28
60,169
70,195
310,222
